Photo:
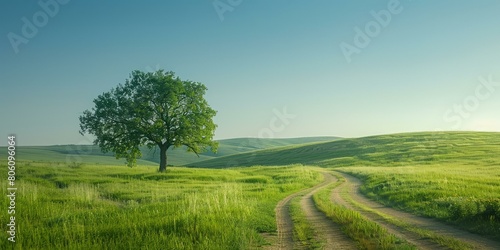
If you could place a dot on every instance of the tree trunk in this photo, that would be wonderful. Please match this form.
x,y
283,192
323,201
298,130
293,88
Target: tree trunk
x,y
163,159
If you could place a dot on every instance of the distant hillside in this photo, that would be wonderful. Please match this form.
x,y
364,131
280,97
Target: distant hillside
x,y
179,156
387,150
67,154
241,145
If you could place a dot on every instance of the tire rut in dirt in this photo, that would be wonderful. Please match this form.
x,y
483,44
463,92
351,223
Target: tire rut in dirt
x,y
329,232
285,224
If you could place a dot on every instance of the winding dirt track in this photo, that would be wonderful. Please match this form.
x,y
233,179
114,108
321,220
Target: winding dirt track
x,y
327,230
352,185
284,223
333,238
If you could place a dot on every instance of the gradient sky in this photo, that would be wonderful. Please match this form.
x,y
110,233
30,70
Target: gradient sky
x,y
420,72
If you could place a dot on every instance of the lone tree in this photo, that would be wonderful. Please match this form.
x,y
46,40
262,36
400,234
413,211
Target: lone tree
x,y
151,109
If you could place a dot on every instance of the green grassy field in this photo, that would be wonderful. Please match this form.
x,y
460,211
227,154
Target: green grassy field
x,y
60,206
451,176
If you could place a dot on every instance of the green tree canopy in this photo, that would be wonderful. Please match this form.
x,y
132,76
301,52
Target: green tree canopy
x,y
151,109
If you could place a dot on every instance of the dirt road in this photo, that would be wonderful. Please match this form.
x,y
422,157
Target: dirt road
x,y
351,187
326,230
347,194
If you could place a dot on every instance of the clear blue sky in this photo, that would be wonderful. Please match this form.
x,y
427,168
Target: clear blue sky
x,y
418,72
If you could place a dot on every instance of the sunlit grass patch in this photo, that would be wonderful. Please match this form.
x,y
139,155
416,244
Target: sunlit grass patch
x,y
119,207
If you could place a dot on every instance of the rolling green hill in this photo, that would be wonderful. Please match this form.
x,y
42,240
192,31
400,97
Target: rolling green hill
x,y
387,150
241,145
179,156
383,150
